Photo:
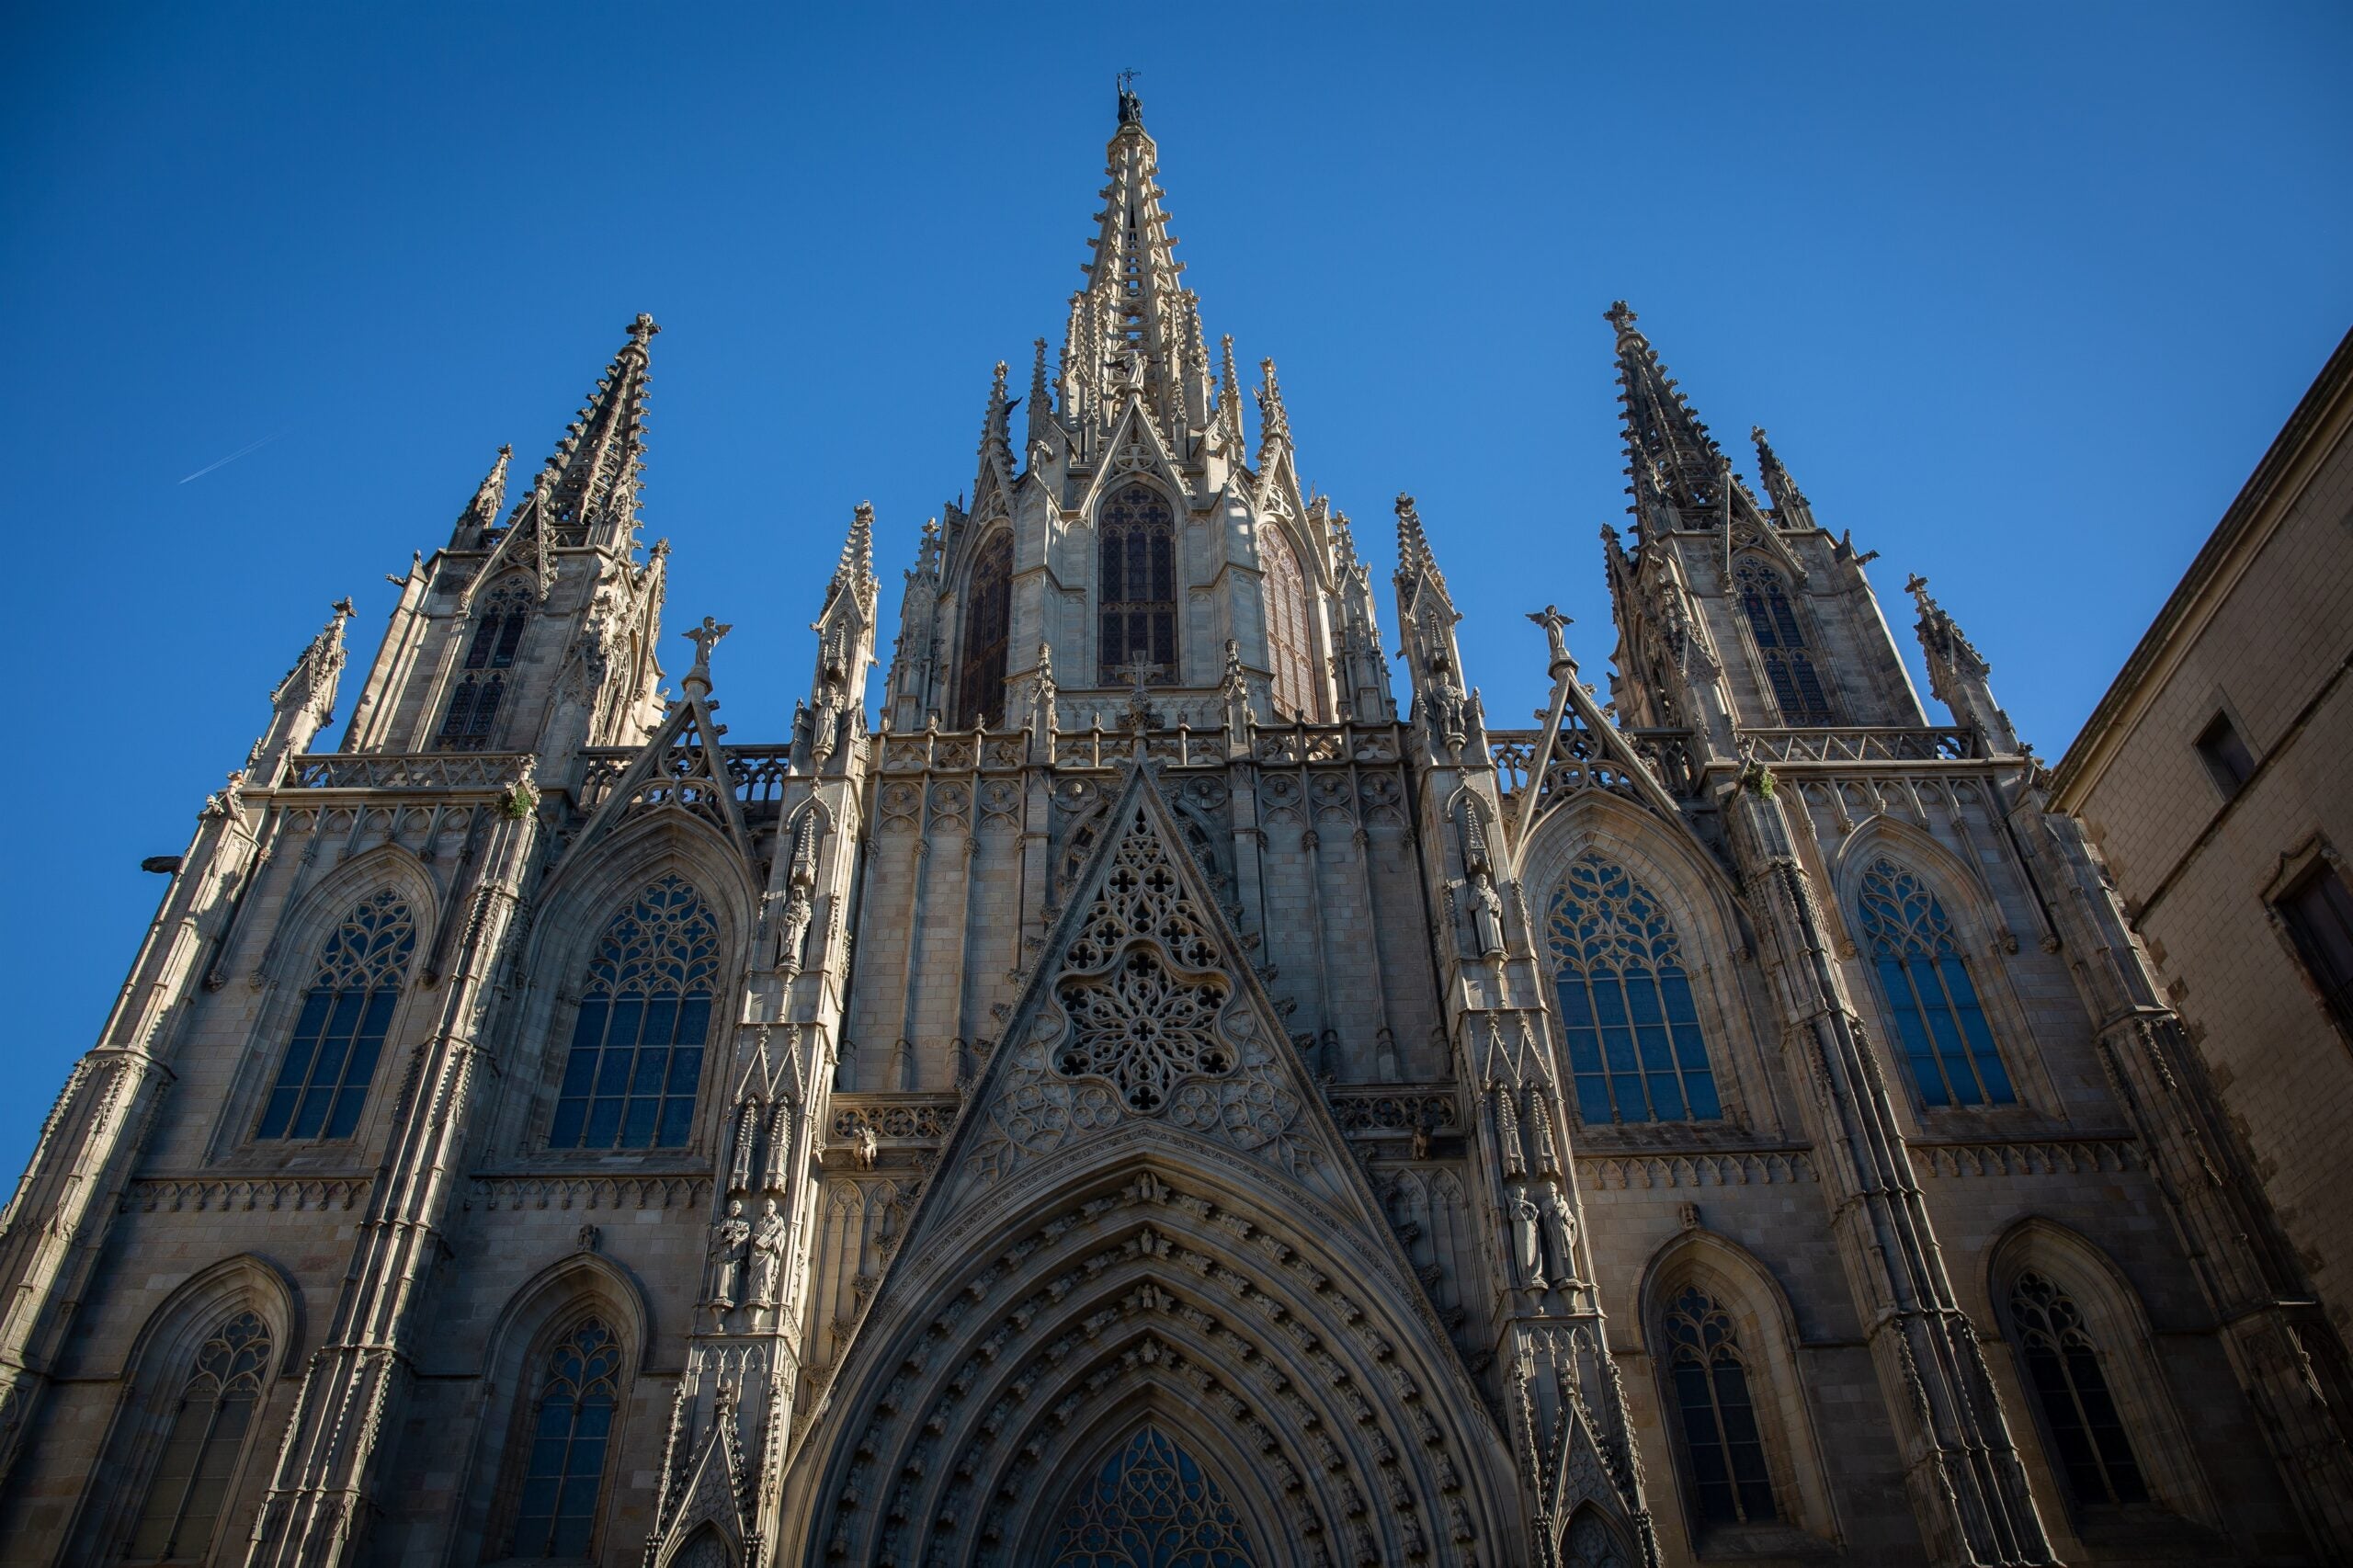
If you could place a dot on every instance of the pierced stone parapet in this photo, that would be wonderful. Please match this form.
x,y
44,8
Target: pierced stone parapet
x,y
439,770
893,1118
1853,744
1373,1112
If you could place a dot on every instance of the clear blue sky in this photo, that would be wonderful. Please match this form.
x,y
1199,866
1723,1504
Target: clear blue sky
x,y
2022,293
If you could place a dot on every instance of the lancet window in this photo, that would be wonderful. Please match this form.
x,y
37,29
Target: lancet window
x,y
1137,534
988,615
1290,645
474,709
2063,1364
1938,1019
1587,1543
190,1486
1631,1027
498,626
637,1045
1724,1450
556,1513
1150,1506
499,620
322,1081
1780,640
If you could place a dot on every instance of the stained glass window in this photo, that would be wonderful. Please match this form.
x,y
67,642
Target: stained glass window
x,y
2065,1366
323,1083
1138,590
637,1045
499,620
988,613
498,626
1722,1445
1289,646
1635,1050
557,1512
1150,1506
473,706
1938,1019
216,1408
1780,641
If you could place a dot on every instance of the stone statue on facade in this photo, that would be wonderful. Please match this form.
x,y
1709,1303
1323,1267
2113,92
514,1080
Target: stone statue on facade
x,y
730,1239
768,1238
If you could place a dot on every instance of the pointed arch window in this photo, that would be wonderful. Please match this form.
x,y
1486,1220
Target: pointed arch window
x,y
499,620
1151,1504
1137,549
1290,647
2063,1364
1780,636
498,626
1627,1013
1724,1450
556,1513
190,1487
988,618
323,1080
1938,1019
636,1058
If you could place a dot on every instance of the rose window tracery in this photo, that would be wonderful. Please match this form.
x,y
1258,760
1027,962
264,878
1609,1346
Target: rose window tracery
x,y
1143,1028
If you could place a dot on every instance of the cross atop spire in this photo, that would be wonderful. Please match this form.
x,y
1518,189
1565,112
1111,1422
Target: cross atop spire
x,y
1130,106
595,466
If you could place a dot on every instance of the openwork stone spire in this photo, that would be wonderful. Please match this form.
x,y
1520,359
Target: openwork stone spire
x,y
1675,471
1133,325
596,466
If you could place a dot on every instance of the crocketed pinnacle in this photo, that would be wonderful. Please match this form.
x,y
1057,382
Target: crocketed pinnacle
x,y
481,513
1041,406
1273,424
1941,639
596,465
996,427
1413,557
1790,508
855,573
315,671
1671,460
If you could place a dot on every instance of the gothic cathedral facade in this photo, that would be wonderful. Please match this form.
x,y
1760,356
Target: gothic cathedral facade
x,y
1130,1091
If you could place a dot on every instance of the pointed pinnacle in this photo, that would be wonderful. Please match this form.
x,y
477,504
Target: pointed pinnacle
x,y
490,496
1414,545
1273,424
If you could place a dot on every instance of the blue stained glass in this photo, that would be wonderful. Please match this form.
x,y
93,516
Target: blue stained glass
x,y
339,1033
555,1513
1629,1021
1938,1020
637,1041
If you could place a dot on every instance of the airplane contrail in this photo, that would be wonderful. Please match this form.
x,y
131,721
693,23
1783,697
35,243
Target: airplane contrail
x,y
233,456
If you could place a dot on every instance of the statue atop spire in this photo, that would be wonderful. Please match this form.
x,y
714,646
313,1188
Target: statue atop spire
x,y
1130,106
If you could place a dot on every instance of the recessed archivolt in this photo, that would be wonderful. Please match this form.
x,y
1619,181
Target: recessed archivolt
x,y
990,1381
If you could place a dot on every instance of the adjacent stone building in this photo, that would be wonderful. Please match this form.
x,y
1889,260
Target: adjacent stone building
x,y
2216,777
1150,1098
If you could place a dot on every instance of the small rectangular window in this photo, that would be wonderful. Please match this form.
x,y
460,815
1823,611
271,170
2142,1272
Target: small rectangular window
x,y
2318,911
2226,755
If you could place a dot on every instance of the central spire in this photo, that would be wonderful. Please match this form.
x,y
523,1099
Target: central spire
x,y
1134,327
